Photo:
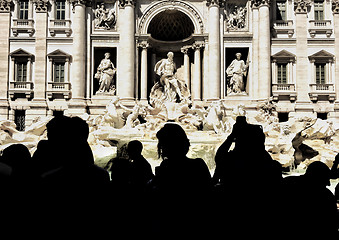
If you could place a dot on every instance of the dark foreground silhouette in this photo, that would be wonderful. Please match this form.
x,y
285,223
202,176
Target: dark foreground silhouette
x,y
60,192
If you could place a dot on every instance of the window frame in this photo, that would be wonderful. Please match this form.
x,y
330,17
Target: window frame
x,y
23,9
60,10
319,10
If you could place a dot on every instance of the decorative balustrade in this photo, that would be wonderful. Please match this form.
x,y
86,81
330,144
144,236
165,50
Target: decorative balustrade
x,y
23,26
17,88
58,88
60,26
320,27
280,90
284,27
283,87
324,90
315,87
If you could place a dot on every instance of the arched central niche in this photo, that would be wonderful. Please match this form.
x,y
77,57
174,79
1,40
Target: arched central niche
x,y
171,25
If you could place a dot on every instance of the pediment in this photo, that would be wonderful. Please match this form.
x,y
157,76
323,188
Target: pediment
x,y
20,53
284,55
58,54
321,55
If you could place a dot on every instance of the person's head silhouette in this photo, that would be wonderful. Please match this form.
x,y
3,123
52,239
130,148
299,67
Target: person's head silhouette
x,y
134,149
173,141
318,173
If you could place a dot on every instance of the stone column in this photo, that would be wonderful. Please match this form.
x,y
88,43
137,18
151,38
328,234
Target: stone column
x,y
303,102
187,66
78,73
335,8
126,50
255,51
5,22
144,66
264,70
196,84
214,50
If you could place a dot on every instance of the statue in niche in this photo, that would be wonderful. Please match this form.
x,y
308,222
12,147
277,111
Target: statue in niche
x,y
104,18
235,73
105,74
169,87
236,17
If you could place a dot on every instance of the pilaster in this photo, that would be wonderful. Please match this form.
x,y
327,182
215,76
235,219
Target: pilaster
x,y
5,21
303,102
40,73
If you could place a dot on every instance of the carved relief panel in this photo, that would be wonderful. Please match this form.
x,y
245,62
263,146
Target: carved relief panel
x,y
236,16
104,15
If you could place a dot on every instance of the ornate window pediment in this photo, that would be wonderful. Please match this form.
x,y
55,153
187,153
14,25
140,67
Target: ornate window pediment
x,y
321,56
284,56
20,53
58,54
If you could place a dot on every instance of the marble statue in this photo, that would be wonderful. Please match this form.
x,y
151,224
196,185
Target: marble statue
x,y
105,74
236,72
104,18
215,117
168,88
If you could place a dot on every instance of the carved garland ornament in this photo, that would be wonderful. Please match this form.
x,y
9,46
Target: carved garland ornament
x,y
123,3
219,3
335,6
41,5
170,4
300,6
259,3
5,5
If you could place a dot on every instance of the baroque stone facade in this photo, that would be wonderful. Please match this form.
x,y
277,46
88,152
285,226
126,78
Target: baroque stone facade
x,y
51,51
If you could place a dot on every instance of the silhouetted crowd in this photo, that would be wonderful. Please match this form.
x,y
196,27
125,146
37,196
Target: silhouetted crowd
x,y
60,192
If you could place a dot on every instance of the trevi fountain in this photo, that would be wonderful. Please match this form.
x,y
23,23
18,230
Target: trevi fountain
x,y
206,127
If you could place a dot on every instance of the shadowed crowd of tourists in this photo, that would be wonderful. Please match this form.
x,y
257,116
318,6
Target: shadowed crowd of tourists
x,y
59,191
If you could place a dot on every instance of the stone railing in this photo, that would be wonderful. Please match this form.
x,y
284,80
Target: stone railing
x,y
283,87
283,90
20,88
324,90
284,27
60,26
328,87
58,88
13,85
283,23
23,26
320,27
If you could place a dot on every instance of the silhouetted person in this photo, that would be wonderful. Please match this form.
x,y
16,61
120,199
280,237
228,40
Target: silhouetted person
x,y
71,181
247,183
181,183
334,168
141,170
313,203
